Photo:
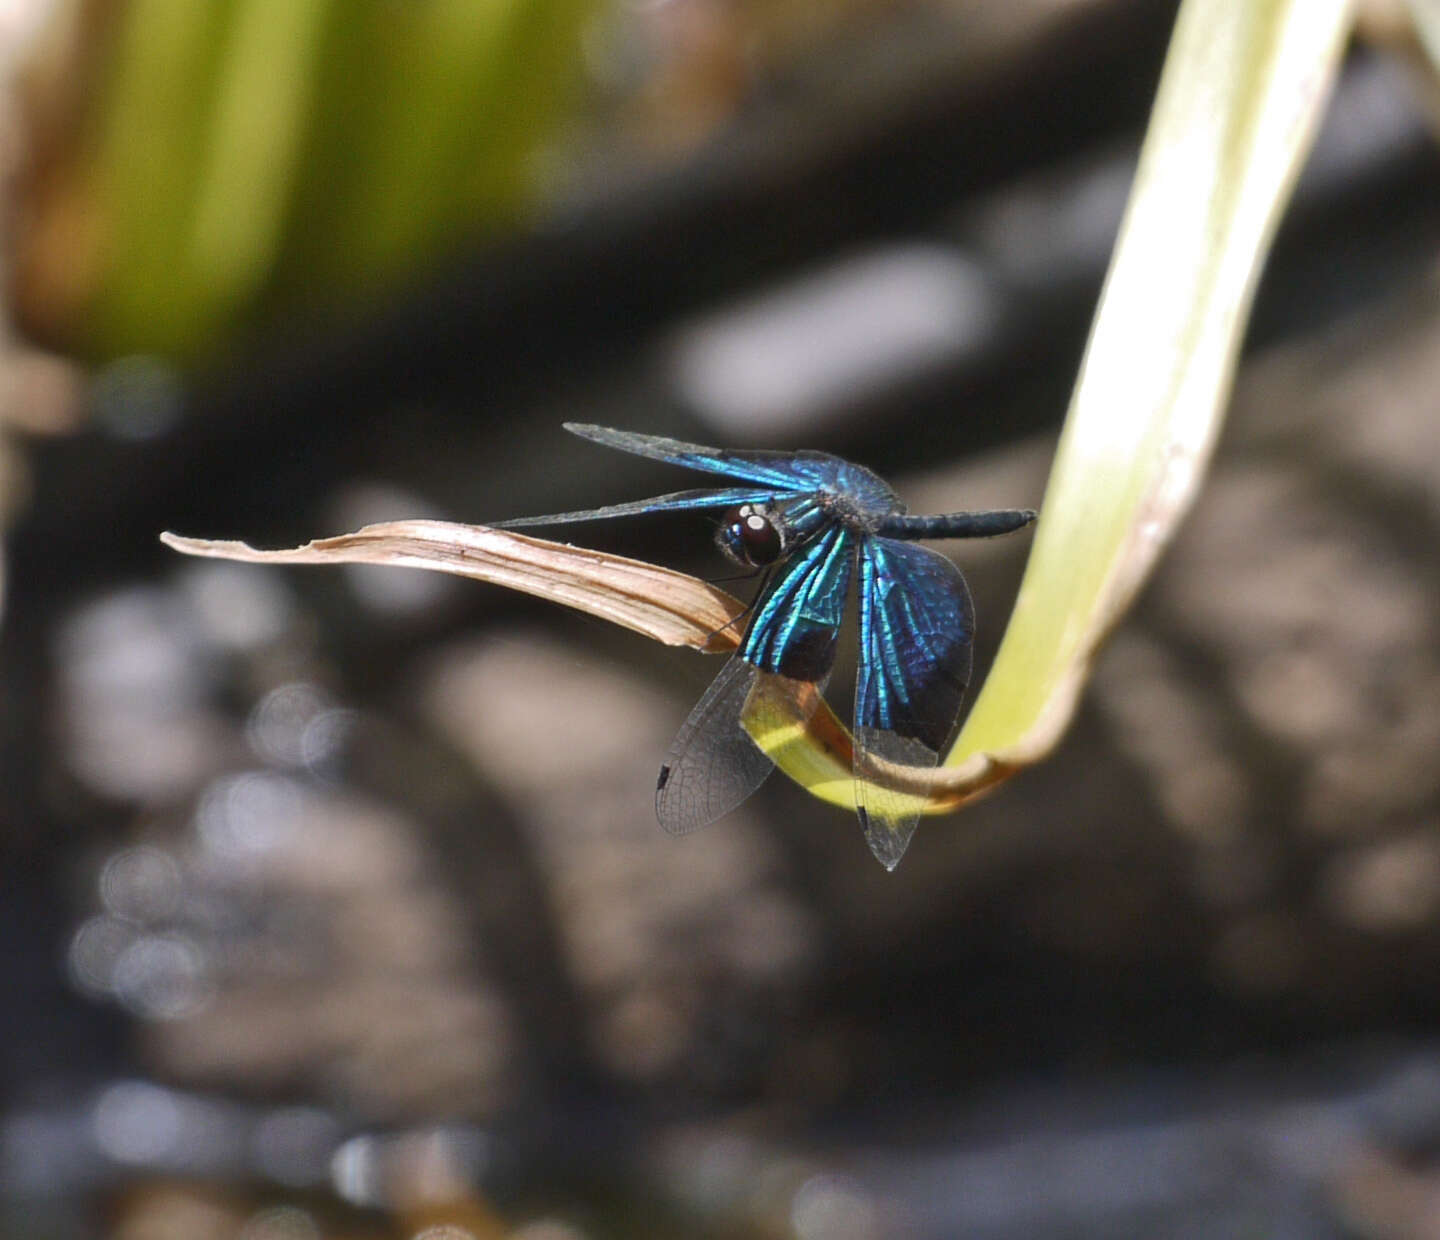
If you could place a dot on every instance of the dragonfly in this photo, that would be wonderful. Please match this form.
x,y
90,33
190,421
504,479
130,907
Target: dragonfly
x,y
814,526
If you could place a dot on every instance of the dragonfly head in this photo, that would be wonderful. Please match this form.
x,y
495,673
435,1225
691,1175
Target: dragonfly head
x,y
753,535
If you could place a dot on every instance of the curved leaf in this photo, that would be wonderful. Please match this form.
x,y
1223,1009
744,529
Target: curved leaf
x,y
1243,88
658,602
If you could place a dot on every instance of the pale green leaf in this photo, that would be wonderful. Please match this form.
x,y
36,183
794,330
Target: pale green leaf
x,y
1426,14
1244,85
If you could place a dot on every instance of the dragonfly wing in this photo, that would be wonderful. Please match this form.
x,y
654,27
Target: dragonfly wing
x,y
712,765
679,501
887,816
917,626
780,471
797,622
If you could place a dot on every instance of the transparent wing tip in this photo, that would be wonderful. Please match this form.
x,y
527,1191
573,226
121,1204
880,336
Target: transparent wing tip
x,y
713,765
887,840
675,809
889,818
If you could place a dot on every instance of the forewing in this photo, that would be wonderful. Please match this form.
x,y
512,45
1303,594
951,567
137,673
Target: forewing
x,y
917,626
679,501
780,471
713,765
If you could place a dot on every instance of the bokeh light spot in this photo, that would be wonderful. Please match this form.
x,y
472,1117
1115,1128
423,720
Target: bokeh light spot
x,y
137,1123
280,1223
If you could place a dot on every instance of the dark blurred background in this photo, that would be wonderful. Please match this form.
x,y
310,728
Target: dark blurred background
x,y
332,902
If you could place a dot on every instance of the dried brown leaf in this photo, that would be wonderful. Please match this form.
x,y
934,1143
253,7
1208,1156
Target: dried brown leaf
x,y
671,607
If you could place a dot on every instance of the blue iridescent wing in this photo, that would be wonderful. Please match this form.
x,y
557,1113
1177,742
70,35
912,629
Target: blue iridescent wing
x,y
785,472
771,476
713,764
916,629
797,622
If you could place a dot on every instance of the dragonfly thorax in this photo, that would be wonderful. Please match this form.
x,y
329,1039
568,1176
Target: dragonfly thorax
x,y
753,535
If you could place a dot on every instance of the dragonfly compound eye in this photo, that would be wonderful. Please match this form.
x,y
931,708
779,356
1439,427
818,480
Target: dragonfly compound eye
x,y
750,536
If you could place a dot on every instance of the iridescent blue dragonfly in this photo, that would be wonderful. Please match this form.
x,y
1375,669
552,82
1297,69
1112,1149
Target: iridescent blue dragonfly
x,y
815,524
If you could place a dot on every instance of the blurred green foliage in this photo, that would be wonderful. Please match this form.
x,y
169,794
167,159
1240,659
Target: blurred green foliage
x,y
239,154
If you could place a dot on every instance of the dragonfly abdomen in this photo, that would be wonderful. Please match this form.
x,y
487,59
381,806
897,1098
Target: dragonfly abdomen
x,y
955,524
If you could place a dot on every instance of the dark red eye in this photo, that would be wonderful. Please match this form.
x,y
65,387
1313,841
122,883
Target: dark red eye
x,y
749,536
